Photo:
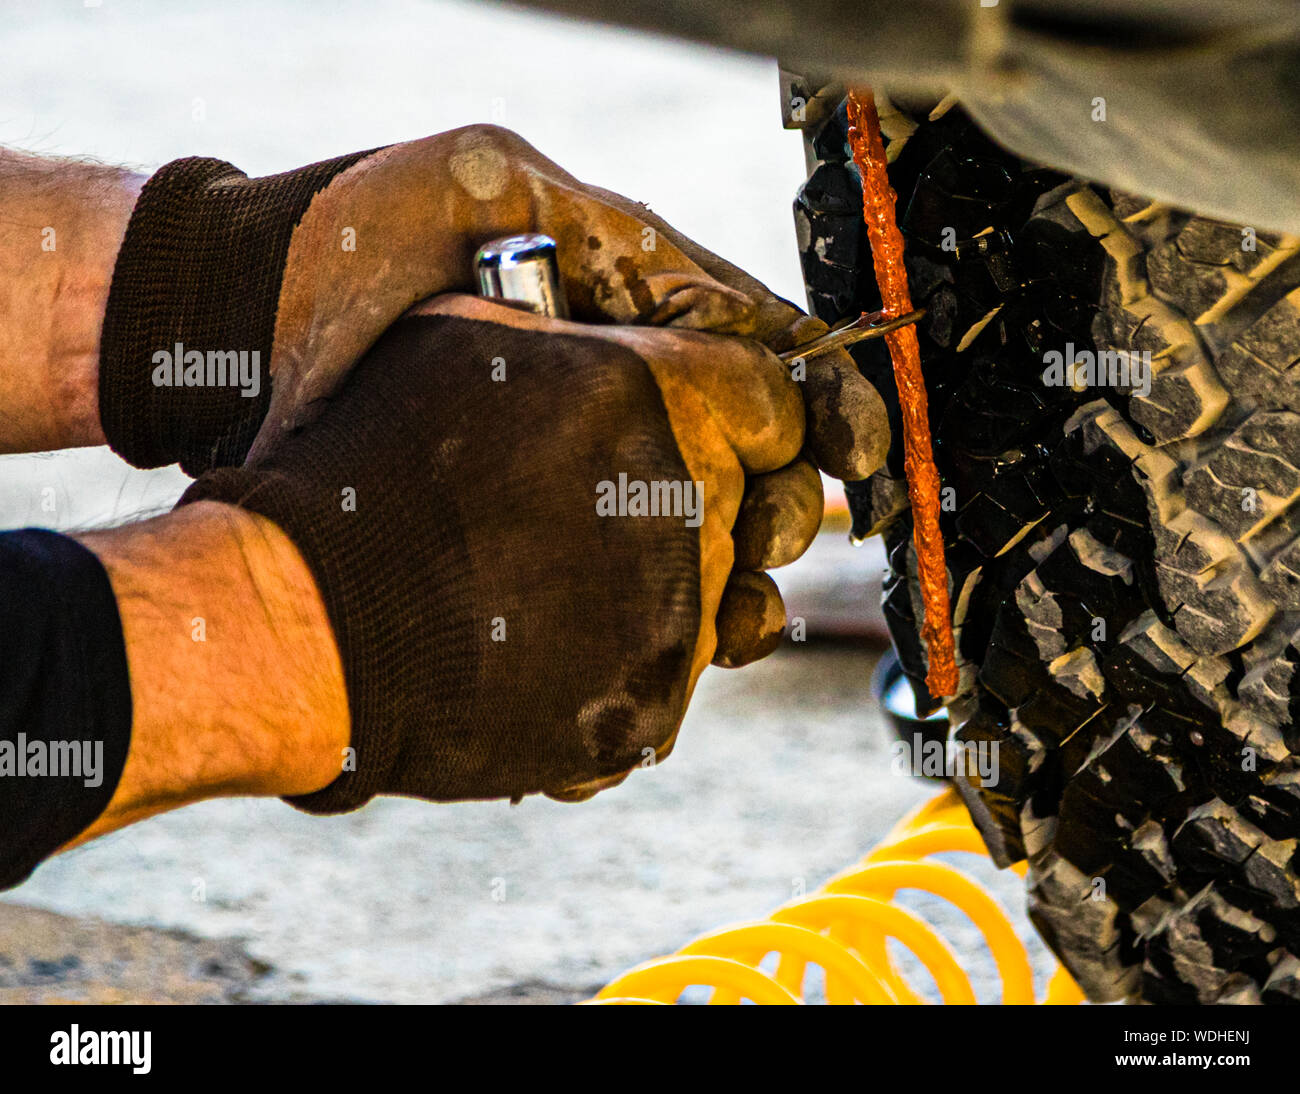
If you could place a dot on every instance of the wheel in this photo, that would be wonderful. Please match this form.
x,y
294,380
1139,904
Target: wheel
x,y
1123,553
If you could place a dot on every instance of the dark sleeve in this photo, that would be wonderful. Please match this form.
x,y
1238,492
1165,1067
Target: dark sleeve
x,y
65,696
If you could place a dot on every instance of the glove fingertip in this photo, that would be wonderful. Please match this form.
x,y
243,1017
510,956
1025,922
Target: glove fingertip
x,y
750,621
848,425
779,517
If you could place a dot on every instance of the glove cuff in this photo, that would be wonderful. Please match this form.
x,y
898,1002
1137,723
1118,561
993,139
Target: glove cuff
x,y
185,354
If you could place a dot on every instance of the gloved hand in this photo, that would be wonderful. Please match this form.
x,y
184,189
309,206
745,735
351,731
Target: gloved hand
x,y
308,268
475,504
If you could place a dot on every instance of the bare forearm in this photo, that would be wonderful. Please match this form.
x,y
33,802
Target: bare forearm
x,y
236,685
61,223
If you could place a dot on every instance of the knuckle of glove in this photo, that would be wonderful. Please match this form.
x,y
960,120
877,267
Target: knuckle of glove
x,y
751,396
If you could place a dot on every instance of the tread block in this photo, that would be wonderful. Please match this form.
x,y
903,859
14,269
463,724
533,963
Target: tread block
x,y
1251,478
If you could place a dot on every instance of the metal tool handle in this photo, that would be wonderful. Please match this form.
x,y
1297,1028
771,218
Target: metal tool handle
x,y
522,270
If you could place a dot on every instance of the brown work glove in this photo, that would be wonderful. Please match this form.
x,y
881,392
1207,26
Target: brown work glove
x,y
310,267
509,621
302,272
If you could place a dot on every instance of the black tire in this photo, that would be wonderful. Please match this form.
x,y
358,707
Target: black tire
x,y
1124,569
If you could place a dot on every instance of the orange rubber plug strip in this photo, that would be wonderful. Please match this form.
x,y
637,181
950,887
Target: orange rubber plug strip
x,y
878,200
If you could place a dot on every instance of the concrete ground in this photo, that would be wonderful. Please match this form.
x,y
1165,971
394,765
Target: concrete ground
x,y
781,775
780,778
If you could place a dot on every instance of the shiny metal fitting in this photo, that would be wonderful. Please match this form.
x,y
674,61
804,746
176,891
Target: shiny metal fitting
x,y
522,270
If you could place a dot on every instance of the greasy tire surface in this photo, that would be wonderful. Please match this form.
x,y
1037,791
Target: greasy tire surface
x,y
1124,567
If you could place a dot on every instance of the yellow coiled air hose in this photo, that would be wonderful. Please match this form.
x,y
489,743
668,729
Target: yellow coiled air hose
x,y
844,928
